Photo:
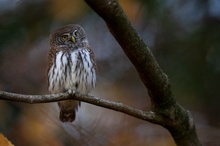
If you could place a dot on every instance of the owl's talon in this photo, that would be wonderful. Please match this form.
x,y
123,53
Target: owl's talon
x,y
70,91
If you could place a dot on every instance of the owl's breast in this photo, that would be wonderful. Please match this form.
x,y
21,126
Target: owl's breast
x,y
72,70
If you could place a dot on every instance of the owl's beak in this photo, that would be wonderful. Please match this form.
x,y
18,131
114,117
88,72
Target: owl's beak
x,y
73,39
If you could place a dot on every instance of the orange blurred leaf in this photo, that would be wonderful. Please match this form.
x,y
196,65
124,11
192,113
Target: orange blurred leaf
x,y
4,141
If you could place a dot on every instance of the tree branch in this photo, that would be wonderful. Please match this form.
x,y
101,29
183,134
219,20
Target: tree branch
x,y
176,119
34,99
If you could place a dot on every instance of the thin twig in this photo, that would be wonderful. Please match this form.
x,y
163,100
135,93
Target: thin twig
x,y
117,106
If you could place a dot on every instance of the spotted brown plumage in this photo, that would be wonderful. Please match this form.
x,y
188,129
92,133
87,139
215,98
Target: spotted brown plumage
x,y
71,67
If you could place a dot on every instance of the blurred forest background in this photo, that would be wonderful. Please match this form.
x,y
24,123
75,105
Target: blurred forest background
x,y
183,35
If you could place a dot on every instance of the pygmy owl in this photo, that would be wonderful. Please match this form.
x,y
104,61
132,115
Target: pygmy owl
x,y
71,67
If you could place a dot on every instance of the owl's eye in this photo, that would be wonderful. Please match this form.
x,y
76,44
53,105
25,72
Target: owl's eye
x,y
76,33
64,37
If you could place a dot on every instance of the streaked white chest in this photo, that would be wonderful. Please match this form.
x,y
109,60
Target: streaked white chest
x,y
72,71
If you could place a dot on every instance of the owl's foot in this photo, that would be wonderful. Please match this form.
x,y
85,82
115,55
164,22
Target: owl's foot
x,y
72,92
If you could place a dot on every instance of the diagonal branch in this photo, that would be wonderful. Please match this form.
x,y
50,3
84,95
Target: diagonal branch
x,y
177,120
33,99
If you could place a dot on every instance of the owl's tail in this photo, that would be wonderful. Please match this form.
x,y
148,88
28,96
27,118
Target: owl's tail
x,y
68,110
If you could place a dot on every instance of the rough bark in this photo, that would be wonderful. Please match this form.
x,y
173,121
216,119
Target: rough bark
x,y
177,120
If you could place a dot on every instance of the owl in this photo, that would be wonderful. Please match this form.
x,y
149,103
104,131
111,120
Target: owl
x,y
71,67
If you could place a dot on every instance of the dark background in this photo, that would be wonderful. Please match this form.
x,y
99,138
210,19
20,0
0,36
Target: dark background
x,y
183,35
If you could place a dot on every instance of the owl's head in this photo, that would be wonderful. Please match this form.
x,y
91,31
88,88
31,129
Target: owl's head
x,y
69,36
